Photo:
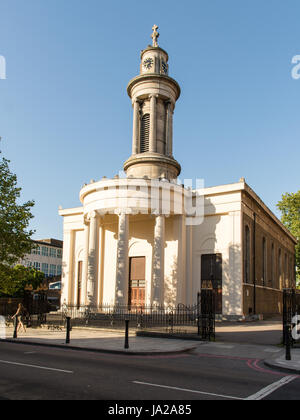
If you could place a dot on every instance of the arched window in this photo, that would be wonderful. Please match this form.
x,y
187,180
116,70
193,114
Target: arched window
x,y
145,133
247,255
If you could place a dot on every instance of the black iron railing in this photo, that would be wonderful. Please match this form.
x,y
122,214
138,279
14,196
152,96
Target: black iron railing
x,y
198,319
291,308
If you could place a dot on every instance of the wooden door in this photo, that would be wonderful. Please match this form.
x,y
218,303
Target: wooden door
x,y
137,282
211,278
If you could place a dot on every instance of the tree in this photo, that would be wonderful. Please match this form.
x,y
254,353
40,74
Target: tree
x,y
17,279
15,236
290,209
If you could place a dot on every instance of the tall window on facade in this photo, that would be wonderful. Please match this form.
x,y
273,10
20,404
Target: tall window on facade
x,y
52,272
37,250
273,266
247,255
45,251
45,269
145,133
279,269
53,252
264,262
286,271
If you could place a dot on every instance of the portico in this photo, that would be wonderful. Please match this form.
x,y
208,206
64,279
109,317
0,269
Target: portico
x,y
112,242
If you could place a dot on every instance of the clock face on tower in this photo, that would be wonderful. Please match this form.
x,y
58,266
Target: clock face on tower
x,y
148,63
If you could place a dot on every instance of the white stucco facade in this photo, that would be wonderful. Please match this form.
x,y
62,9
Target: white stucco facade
x,y
172,250
145,238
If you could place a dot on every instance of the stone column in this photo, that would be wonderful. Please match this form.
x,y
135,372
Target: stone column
x,y
158,267
168,126
92,261
136,128
122,274
68,268
189,265
85,263
101,259
181,261
170,131
153,146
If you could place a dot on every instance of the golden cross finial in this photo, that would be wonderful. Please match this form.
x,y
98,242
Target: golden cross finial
x,y
155,36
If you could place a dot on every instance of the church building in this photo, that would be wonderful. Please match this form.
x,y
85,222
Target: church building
x,y
145,239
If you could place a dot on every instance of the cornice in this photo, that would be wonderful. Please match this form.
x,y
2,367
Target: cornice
x,y
153,76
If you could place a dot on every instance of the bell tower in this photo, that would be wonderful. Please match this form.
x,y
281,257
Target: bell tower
x,y
154,94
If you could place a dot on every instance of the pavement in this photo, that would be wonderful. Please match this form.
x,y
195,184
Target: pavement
x,y
102,341
289,366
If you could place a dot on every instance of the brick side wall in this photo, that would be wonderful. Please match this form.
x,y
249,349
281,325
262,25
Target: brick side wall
x,y
274,270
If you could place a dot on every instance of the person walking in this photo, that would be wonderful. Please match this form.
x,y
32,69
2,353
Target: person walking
x,y
18,315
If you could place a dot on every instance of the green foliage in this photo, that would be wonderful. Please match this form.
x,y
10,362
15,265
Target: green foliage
x,y
13,281
290,209
15,238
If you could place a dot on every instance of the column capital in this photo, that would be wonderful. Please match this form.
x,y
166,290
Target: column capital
x,y
170,104
92,215
137,101
86,219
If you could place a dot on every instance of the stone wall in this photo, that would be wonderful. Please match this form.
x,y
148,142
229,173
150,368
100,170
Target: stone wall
x,y
268,301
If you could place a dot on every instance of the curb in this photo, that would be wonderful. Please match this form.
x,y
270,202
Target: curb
x,y
94,350
273,365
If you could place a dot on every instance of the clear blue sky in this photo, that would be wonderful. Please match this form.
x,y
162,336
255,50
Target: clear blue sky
x,y
64,100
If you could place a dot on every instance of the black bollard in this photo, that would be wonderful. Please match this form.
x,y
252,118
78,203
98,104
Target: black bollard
x,y
15,327
288,355
68,330
127,334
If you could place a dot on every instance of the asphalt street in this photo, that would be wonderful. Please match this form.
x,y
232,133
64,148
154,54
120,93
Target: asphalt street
x,y
212,372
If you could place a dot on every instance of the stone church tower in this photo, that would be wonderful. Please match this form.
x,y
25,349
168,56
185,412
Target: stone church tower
x,y
154,94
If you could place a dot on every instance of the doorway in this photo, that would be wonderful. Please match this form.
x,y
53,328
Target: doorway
x,y
137,282
211,278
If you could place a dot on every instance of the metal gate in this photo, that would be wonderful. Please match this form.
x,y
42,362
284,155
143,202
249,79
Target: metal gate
x,y
291,308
